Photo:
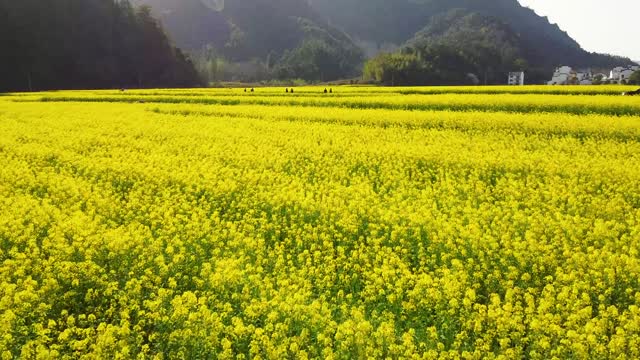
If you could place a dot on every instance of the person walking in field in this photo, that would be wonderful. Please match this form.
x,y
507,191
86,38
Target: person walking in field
x,y
325,91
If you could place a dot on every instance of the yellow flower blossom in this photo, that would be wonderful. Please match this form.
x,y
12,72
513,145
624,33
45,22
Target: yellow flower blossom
x,y
417,223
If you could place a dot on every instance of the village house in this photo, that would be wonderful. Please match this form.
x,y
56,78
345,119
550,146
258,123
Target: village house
x,y
565,75
620,74
516,78
561,76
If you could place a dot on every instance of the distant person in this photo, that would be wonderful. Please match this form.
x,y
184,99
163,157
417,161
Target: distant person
x,y
245,89
331,91
325,91
292,90
252,90
286,90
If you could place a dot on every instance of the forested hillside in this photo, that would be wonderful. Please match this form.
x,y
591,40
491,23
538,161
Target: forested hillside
x,y
544,45
111,43
314,39
280,38
54,44
191,23
458,47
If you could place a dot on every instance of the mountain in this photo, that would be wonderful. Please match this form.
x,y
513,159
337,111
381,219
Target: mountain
x,y
470,32
192,24
108,43
274,32
455,48
52,44
486,45
244,27
544,44
299,38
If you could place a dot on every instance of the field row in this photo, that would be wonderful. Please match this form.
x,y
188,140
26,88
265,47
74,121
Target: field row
x,y
389,91
623,128
607,105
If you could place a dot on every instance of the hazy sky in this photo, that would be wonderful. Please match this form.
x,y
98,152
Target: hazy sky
x,y
608,26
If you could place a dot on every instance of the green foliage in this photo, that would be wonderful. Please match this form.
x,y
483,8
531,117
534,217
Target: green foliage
x,y
209,65
393,69
192,24
454,48
598,79
86,44
380,21
543,45
436,64
266,25
325,54
271,32
635,78
240,29
490,46
263,39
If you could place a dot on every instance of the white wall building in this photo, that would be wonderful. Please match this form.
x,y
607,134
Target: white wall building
x,y
620,73
565,75
561,76
516,78
584,75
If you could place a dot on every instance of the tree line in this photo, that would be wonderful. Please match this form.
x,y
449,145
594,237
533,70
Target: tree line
x,y
84,44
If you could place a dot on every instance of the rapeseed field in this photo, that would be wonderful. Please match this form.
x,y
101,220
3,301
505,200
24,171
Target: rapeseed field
x,y
415,223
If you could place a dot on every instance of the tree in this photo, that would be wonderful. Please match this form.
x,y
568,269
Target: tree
x,y
320,57
597,80
437,64
395,69
462,42
635,78
68,44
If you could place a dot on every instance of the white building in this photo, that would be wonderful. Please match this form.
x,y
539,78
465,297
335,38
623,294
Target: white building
x,y
561,76
584,75
516,78
620,73
565,75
